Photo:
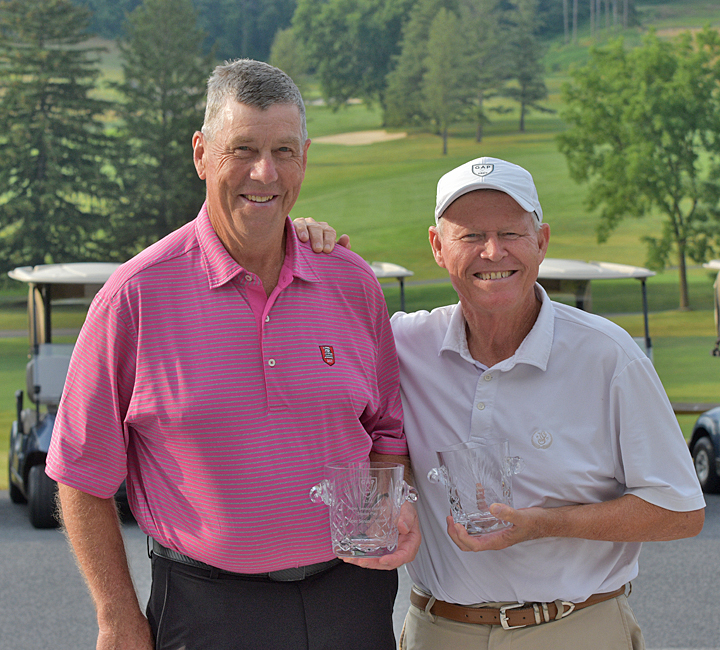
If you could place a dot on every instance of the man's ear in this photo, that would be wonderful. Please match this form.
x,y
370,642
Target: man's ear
x,y
198,145
543,239
436,245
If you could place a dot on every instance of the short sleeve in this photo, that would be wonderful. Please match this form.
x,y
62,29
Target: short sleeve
x,y
655,462
89,442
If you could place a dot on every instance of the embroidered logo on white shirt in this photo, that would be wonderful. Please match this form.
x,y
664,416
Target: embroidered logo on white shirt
x,y
542,439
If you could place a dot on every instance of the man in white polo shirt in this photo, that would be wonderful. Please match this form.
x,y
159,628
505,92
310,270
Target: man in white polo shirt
x,y
606,466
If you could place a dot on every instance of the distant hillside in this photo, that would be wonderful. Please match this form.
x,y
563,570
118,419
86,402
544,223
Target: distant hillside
x,y
668,19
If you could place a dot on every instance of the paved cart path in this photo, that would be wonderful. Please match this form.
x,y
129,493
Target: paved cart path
x,y
44,603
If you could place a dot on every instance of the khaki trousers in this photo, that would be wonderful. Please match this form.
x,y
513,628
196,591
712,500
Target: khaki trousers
x,y
609,625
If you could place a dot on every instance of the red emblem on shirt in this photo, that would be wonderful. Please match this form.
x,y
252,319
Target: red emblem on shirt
x,y
328,354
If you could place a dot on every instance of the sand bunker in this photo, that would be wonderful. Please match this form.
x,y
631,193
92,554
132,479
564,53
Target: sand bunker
x,y
359,137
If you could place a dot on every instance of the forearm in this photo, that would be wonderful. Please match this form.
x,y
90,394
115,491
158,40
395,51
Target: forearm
x,y
93,529
627,519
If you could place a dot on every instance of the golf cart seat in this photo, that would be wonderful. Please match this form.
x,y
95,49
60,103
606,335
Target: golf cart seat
x,y
46,372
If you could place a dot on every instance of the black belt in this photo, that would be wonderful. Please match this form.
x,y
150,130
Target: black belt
x,y
283,575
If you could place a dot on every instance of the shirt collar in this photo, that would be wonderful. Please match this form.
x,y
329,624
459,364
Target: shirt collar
x,y
534,350
221,268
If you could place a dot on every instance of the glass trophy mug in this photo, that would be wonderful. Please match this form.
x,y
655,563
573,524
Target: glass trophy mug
x,y
477,474
365,500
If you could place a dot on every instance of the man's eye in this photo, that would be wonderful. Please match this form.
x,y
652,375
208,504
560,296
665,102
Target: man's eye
x,y
510,235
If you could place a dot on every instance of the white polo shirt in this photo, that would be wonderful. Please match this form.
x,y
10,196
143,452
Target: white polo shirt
x,y
585,409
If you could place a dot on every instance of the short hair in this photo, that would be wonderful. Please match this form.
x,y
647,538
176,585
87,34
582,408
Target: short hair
x,y
252,83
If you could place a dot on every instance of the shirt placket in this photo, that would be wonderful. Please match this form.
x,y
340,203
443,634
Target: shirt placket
x,y
481,423
271,345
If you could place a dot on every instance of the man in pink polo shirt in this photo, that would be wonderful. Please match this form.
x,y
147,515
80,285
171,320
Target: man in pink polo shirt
x,y
189,382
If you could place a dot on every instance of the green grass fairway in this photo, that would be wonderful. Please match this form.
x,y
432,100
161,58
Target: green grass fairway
x,y
383,195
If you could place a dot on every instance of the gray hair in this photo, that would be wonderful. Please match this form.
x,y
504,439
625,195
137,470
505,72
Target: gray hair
x,y
252,83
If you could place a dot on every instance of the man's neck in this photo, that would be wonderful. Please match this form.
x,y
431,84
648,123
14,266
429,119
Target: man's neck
x,y
492,338
260,253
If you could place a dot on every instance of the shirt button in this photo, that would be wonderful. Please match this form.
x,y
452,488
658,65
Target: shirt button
x,y
271,363
248,277
487,377
267,319
480,406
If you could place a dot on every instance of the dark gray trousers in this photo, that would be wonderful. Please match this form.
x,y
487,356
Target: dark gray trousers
x,y
344,608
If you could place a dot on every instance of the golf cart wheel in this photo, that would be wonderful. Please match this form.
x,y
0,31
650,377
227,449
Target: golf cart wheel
x,y
16,495
41,497
703,454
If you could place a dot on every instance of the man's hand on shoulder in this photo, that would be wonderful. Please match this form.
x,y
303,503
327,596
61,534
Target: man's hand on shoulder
x,y
527,524
322,237
408,543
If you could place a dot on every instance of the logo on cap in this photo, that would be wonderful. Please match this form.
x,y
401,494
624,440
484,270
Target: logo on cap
x,y
328,354
482,170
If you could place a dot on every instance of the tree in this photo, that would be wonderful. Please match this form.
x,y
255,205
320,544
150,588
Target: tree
x,y
53,168
164,85
243,28
445,93
484,27
107,16
404,103
525,54
287,54
350,44
645,135
480,38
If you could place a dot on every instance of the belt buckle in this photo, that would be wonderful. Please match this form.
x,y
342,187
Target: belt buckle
x,y
504,619
570,606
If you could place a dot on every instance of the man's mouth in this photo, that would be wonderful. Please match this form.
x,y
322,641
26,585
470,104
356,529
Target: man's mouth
x,y
497,275
258,199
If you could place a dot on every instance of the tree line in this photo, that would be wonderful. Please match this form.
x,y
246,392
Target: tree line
x,y
84,177
232,28
433,62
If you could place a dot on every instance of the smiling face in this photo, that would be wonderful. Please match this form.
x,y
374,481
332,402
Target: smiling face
x,y
490,248
253,169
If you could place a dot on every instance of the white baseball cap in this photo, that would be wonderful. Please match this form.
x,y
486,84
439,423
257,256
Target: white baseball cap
x,y
488,174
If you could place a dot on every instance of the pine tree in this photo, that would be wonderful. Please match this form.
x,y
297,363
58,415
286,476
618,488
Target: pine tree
x,y
526,52
164,85
446,93
484,27
404,97
53,165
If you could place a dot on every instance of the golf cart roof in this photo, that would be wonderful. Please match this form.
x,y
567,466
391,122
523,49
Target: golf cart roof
x,y
559,269
75,273
574,277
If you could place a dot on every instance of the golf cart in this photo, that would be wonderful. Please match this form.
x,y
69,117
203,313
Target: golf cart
x,y
45,378
573,278
705,438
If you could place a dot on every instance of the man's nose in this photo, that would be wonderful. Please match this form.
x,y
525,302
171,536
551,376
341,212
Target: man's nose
x,y
494,249
263,170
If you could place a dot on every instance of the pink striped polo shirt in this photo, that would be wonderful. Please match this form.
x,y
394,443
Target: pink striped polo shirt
x,y
221,404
